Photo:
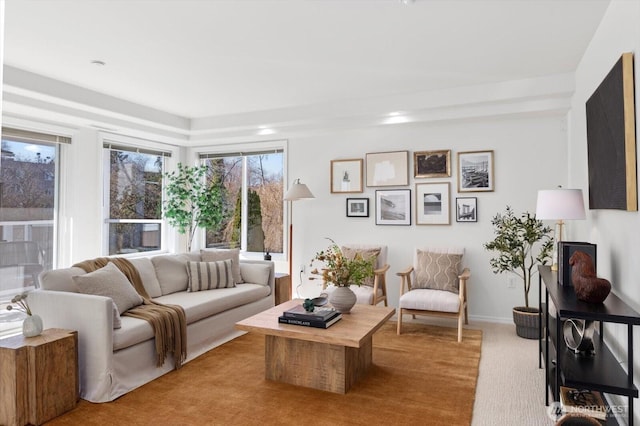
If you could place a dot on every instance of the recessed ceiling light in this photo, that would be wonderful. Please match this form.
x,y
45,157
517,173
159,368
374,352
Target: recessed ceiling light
x,y
98,62
395,113
264,130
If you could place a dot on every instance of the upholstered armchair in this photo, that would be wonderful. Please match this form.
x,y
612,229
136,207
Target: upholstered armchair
x,y
374,290
436,285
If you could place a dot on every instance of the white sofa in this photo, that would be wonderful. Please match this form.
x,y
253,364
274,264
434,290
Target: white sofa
x,y
112,361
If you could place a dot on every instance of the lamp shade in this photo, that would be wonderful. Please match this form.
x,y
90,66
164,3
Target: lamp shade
x,y
560,204
298,191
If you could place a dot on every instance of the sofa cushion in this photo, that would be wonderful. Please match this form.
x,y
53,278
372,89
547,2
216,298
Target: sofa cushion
x,y
60,279
110,282
197,306
117,321
204,304
210,275
147,275
437,271
211,255
171,270
255,273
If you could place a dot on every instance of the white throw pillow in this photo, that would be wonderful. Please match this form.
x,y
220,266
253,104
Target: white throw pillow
x,y
171,270
210,275
147,275
255,273
212,255
110,282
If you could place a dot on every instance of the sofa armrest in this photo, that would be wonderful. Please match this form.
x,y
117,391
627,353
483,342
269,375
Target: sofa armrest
x,y
92,317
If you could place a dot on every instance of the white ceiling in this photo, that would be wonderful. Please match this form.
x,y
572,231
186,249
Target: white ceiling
x,y
204,58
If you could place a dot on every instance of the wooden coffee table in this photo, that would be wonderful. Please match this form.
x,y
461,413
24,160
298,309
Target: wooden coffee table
x,y
331,359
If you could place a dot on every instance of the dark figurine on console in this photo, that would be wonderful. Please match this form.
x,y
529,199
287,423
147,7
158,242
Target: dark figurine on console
x,y
588,287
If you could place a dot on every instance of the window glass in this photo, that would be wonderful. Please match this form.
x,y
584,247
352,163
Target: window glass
x,y
135,201
28,182
257,181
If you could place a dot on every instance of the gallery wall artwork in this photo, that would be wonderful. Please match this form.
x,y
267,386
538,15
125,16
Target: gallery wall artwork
x,y
466,209
357,207
428,164
475,171
611,141
393,207
432,203
346,176
388,168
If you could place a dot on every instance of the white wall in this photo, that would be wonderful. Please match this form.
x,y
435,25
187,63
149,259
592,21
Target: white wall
x,y
529,154
615,232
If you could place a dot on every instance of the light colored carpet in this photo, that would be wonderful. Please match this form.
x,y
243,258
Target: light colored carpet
x,y
510,388
421,377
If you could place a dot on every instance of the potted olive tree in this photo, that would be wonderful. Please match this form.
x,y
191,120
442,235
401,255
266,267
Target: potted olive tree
x,y
193,200
521,243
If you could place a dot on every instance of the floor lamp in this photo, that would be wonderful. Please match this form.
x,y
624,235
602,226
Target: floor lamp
x,y
297,191
560,205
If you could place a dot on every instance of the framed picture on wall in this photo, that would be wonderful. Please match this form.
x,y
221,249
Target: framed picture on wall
x,y
475,171
393,207
432,203
388,168
357,207
428,164
466,209
346,176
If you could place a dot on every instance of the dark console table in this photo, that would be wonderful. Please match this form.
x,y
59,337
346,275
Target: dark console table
x,y
601,371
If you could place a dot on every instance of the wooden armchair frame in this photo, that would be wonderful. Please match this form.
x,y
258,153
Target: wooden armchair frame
x,y
405,278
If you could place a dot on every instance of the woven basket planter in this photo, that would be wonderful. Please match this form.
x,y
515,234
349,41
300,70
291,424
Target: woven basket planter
x,y
526,320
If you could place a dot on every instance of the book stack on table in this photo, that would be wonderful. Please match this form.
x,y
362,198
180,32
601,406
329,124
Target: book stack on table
x,y
319,318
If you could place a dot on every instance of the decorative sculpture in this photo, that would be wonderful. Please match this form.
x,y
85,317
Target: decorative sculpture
x,y
588,287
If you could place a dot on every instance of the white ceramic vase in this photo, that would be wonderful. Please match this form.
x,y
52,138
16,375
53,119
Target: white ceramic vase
x,y
342,299
32,326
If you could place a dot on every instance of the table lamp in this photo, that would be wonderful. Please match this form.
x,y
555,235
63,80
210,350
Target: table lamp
x,y
297,191
560,205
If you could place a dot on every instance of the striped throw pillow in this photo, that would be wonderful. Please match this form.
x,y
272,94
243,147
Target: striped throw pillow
x,y
210,275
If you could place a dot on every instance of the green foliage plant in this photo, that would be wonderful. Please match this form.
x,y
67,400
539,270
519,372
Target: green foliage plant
x,y
339,270
194,199
517,240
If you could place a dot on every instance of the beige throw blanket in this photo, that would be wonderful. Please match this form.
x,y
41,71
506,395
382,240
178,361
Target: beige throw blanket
x,y
168,321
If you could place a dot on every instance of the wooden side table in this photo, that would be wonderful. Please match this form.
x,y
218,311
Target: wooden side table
x,y
283,287
38,377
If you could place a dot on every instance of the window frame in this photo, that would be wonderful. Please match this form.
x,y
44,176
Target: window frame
x,y
170,163
27,131
244,149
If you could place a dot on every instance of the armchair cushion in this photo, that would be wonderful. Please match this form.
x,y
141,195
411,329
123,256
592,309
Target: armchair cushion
x,y
210,275
430,300
437,270
366,253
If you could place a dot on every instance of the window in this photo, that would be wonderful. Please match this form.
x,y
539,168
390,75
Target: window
x,y
253,188
133,199
28,203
